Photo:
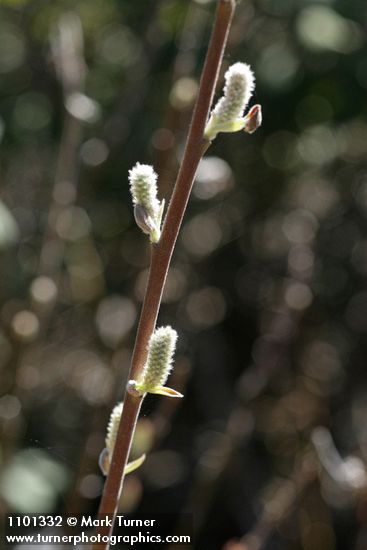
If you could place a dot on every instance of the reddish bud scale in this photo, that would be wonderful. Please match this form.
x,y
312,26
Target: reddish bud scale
x,y
253,119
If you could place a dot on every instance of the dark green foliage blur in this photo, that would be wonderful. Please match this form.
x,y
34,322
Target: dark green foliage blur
x,y
267,288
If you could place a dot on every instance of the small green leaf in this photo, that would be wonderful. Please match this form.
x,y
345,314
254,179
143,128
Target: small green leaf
x,y
134,465
164,390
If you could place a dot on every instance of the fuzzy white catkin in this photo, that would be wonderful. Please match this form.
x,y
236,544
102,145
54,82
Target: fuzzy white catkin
x,y
161,349
143,187
112,428
240,83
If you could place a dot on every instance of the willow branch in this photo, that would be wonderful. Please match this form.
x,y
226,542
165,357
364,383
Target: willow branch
x,y
161,256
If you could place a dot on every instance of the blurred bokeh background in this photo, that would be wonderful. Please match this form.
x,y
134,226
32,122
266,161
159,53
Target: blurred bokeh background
x,y
267,289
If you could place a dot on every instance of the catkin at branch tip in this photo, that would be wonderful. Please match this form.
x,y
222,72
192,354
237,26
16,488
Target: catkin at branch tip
x,y
228,114
240,83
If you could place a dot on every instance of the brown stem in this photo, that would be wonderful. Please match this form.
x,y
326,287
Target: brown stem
x,y
195,148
